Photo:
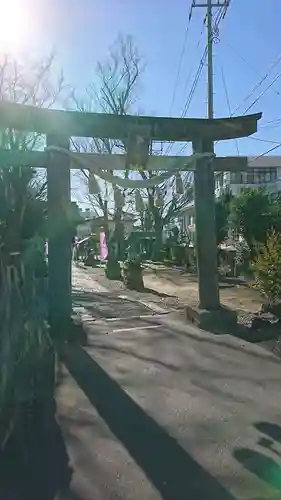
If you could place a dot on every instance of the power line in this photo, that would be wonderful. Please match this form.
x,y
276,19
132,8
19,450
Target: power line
x,y
187,82
261,81
266,152
213,34
248,64
273,124
228,104
262,94
191,94
195,83
192,65
180,66
262,140
192,91
275,120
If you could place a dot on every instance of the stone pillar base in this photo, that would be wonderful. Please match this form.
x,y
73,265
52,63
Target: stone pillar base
x,y
222,320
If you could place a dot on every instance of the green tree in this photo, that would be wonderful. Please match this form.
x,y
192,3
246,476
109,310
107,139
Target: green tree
x,y
223,204
267,268
252,214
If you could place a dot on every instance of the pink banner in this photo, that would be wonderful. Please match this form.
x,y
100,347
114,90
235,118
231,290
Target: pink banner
x,y
103,246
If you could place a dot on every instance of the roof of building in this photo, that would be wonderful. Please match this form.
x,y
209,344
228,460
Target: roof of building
x,y
264,161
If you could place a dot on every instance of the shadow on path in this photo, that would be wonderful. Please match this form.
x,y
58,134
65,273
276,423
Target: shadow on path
x,y
133,354
108,305
34,464
263,466
273,431
170,469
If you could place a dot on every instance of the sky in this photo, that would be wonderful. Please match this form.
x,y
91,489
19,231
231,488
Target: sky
x,y
81,32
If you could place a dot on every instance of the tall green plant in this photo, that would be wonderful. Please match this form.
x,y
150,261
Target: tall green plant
x,y
267,268
223,207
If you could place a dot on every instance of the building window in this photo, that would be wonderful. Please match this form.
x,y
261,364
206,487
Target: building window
x,y
250,176
236,177
265,175
254,176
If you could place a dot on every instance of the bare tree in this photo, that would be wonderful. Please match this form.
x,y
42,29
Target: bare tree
x,y
115,92
163,205
36,83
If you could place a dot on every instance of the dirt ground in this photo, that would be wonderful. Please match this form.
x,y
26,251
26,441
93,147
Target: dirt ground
x,y
176,282
172,288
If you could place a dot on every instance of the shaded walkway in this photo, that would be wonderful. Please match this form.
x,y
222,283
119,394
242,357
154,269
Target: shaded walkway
x,y
169,412
170,469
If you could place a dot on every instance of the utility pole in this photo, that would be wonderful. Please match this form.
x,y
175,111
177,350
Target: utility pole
x,y
210,5
210,60
204,182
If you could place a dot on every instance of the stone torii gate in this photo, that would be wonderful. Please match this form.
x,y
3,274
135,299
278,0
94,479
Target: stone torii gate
x,y
139,132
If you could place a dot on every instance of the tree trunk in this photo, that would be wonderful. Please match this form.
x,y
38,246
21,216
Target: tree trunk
x,y
119,234
158,228
132,276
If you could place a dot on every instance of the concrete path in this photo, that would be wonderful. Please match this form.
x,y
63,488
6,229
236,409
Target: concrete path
x,y
167,411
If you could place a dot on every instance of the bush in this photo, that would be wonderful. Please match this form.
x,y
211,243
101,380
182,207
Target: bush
x,y
267,268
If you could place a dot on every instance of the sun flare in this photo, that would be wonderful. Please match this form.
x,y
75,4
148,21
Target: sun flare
x,y
13,28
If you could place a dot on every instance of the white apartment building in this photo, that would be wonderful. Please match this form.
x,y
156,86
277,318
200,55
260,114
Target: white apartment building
x,y
264,172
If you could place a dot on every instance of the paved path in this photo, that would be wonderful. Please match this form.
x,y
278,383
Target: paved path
x,y
170,412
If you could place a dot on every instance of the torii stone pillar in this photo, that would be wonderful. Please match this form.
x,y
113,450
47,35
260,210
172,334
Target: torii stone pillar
x,y
205,223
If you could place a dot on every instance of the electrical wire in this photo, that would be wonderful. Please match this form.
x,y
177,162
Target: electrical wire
x,y
270,125
262,93
192,65
275,120
191,94
186,84
228,104
180,66
263,140
261,81
215,33
195,83
266,152
248,64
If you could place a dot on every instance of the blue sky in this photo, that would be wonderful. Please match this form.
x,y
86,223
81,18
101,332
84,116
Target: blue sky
x,y
82,30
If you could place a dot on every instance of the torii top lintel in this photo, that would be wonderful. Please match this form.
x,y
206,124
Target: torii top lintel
x,y
80,124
